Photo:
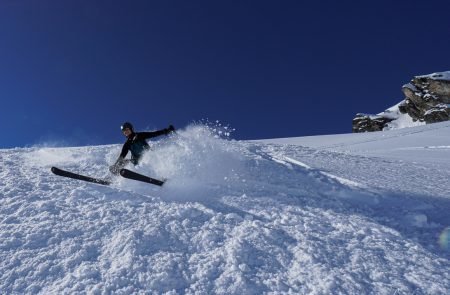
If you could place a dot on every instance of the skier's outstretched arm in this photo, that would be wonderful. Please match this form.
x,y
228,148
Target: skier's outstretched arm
x,y
165,131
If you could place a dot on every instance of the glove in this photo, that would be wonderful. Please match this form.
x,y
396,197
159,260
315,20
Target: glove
x,y
114,169
120,163
170,129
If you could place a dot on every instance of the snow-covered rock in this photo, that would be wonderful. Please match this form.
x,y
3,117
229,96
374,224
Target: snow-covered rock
x,y
427,100
359,213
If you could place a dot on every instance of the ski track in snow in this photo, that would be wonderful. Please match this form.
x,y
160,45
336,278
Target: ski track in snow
x,y
234,218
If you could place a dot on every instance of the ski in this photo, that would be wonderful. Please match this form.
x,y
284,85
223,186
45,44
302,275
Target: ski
x,y
72,175
139,177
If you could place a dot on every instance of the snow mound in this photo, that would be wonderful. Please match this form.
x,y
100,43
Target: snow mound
x,y
399,120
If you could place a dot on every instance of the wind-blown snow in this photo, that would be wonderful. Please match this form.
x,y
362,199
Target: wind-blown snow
x,y
355,213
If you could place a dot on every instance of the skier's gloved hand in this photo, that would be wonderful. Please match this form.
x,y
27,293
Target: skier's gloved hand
x,y
114,169
169,129
120,163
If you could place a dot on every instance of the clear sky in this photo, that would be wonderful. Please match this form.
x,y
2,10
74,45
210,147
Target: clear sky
x,y
73,71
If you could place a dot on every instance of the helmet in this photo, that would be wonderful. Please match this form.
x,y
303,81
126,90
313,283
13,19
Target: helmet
x,y
126,125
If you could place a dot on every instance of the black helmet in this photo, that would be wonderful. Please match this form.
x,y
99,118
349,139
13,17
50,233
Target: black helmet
x,y
126,125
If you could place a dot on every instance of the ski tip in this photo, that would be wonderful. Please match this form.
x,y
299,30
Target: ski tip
x,y
53,169
122,171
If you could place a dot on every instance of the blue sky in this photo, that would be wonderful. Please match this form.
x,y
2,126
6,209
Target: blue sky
x,y
72,71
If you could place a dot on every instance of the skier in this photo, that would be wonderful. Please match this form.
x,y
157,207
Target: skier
x,y
136,143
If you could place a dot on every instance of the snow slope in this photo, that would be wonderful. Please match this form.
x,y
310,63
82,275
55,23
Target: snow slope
x,y
340,214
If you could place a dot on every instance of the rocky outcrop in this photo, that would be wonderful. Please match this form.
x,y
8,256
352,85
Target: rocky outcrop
x,y
369,123
438,113
427,99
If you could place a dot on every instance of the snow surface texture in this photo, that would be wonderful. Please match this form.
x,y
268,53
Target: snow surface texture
x,y
342,214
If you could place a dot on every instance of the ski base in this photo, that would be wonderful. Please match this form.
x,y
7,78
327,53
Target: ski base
x,y
72,175
139,177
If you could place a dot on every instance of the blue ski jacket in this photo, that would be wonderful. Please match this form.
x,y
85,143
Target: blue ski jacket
x,y
136,143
